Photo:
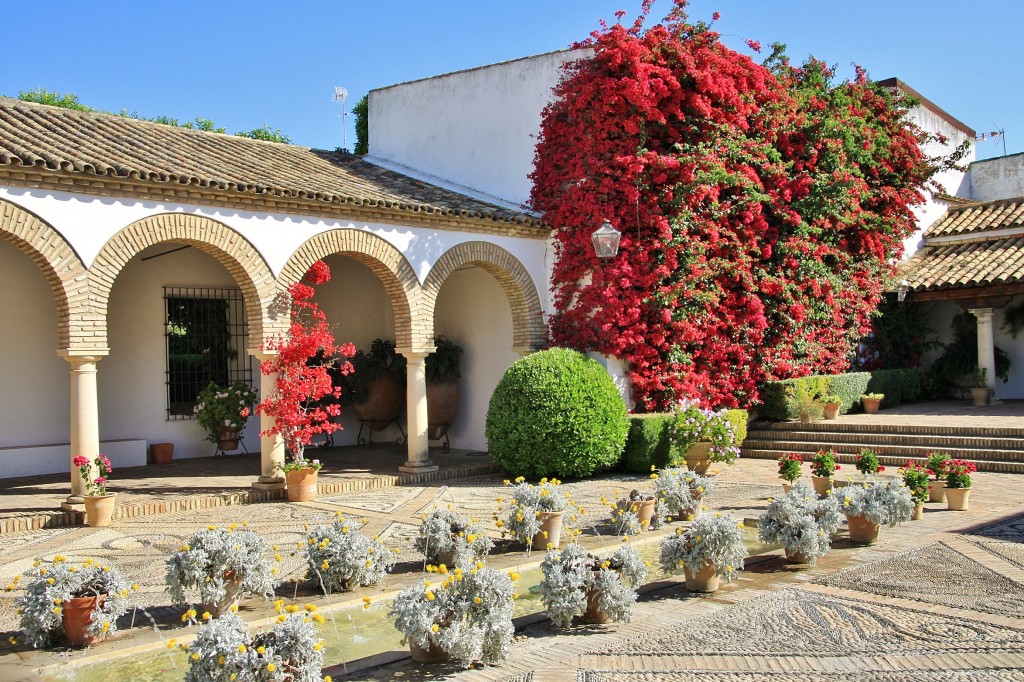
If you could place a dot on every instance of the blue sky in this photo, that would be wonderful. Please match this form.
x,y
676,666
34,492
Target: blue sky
x,y
245,64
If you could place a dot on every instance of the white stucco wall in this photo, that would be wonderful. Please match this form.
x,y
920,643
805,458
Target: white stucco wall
x,y
999,178
476,128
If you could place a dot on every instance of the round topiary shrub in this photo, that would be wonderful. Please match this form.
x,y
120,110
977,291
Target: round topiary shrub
x,y
556,413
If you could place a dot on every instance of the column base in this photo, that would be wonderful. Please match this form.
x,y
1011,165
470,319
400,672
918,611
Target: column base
x,y
75,503
418,467
268,483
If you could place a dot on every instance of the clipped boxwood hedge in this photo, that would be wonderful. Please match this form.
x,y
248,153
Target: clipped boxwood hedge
x,y
738,419
649,443
849,387
556,413
777,394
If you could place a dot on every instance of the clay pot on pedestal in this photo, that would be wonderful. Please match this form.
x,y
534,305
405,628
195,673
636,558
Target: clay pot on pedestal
x,y
99,509
75,616
301,484
228,438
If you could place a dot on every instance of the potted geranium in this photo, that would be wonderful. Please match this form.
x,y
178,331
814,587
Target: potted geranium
x,y
450,539
915,477
823,468
597,590
223,411
958,482
535,513
466,615
339,556
801,523
790,469
871,401
99,504
867,462
712,548
289,651
869,505
937,488
82,602
705,436
223,564
683,492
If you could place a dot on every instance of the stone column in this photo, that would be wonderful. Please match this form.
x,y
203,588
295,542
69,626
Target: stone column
x,y
271,447
85,418
986,346
416,411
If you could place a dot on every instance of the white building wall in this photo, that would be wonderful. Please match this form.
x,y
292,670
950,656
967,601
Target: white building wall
x,y
475,128
999,178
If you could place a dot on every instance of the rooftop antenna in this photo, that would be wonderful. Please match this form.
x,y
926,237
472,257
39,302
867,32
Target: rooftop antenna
x,y
341,95
1000,133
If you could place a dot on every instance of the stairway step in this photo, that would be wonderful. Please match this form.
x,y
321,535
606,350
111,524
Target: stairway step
x,y
839,426
884,448
995,466
892,438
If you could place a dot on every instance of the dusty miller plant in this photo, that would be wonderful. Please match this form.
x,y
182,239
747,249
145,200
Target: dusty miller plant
x,y
291,651
715,539
569,574
447,535
801,523
202,562
522,517
468,614
340,557
52,584
682,491
887,503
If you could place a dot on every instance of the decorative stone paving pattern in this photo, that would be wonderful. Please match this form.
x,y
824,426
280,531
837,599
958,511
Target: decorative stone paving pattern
x,y
774,676
1011,530
935,574
794,622
384,501
1013,552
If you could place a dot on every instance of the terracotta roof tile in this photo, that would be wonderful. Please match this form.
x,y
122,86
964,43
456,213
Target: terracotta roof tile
x,y
67,141
979,217
966,264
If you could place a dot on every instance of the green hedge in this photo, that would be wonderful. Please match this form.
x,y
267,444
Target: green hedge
x,y
649,443
738,419
777,395
898,386
556,413
849,387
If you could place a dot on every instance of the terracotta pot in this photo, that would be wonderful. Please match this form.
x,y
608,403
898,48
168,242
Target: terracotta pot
x,y
594,615
697,459
786,486
870,405
99,509
232,595
936,491
822,484
162,453
301,484
704,580
75,616
795,557
862,531
551,523
979,396
644,510
228,439
384,402
831,410
956,498
433,654
442,407
918,512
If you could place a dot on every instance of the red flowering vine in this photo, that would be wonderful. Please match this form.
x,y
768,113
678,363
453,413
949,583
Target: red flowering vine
x,y
761,207
305,399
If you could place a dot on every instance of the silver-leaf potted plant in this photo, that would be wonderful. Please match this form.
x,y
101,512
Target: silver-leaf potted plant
x,y
340,557
597,590
711,549
684,492
534,515
870,505
223,564
801,523
447,538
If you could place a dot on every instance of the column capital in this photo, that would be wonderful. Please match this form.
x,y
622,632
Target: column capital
x,y
416,353
262,354
981,313
83,355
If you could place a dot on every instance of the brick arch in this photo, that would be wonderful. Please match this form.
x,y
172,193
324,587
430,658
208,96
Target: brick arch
x,y
385,261
59,263
238,256
528,328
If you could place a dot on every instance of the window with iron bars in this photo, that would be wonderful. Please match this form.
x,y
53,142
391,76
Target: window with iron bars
x,y
206,331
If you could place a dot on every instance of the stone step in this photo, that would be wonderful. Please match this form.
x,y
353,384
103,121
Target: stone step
x,y
931,441
835,426
995,466
885,448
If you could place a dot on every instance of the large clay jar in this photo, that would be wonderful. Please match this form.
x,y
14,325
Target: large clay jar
x,y
384,402
433,654
594,615
442,407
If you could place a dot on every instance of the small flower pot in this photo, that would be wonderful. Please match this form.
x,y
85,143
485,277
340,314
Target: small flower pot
x,y
787,486
232,595
918,512
301,484
99,509
162,453
831,410
644,510
862,531
705,580
793,557
936,491
550,531
594,615
697,459
432,654
228,439
979,396
956,498
76,615
822,484
870,405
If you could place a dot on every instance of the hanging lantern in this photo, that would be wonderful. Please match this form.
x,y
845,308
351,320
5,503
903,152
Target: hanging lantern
x,y
606,240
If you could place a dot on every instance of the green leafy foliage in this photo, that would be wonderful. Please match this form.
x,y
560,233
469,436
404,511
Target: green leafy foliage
x,y
738,419
649,443
265,133
361,110
442,366
556,413
900,335
54,99
849,387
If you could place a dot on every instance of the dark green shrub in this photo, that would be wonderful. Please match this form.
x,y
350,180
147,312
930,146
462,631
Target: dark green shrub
x,y
913,384
778,395
849,387
888,382
649,443
738,419
556,413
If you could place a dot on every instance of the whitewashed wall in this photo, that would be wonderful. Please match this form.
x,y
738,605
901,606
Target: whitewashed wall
x,y
999,178
475,128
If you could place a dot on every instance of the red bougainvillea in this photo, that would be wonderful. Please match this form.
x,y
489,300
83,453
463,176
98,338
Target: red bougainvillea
x,y
760,206
303,358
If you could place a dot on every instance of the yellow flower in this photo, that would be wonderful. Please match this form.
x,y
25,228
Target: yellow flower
x,y
318,646
282,618
477,600
241,648
220,660
171,643
195,656
654,475
271,667
207,615
434,628
318,618
430,596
